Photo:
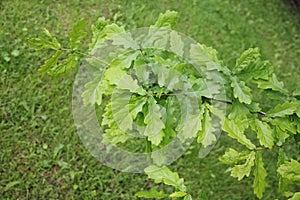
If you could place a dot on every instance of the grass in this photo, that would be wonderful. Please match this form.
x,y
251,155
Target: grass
x,y
41,155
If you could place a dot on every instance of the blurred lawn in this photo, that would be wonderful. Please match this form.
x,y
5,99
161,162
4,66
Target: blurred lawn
x,y
41,157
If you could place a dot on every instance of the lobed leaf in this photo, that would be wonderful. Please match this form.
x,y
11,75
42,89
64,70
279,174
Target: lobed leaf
x,y
272,83
77,34
264,133
166,176
259,176
281,110
151,194
50,63
93,94
206,133
240,171
240,90
235,129
153,120
168,18
247,57
290,170
232,157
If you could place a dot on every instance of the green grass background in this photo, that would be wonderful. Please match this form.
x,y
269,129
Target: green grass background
x,y
41,156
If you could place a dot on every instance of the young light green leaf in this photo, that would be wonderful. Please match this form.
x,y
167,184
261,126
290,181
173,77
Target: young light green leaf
x,y
283,184
290,170
247,57
168,18
65,66
178,194
191,116
124,61
285,124
272,83
240,90
154,122
198,54
128,83
113,134
239,171
177,44
166,176
136,105
124,39
281,110
120,110
206,133
264,133
114,74
49,42
50,63
257,70
77,34
232,157
152,194
260,176
235,129
280,135
93,94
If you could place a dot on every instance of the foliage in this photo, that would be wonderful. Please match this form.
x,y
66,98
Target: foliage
x,y
150,91
36,118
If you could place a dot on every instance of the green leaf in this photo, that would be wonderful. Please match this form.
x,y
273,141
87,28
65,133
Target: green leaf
x,y
272,83
283,184
241,91
296,196
206,133
257,70
235,129
176,43
260,176
151,194
281,110
191,116
97,30
114,75
77,34
239,171
49,42
188,197
93,94
127,83
232,157
124,61
199,55
113,134
65,66
168,18
290,170
155,125
239,112
264,133
136,105
50,63
285,124
120,110
247,57
166,176
178,194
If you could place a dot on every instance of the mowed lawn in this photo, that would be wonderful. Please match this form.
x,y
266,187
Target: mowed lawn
x,y
41,156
